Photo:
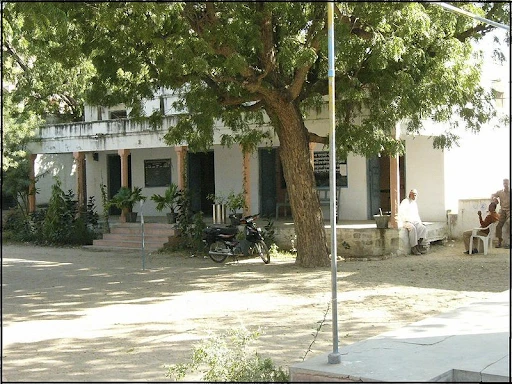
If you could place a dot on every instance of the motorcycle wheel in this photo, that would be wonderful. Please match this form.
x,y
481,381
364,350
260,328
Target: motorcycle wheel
x,y
219,247
262,250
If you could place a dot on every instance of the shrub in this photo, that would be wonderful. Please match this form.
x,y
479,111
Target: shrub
x,y
60,223
228,358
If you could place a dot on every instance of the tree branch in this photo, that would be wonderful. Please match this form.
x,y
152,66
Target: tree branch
x,y
10,50
268,54
356,27
300,75
314,138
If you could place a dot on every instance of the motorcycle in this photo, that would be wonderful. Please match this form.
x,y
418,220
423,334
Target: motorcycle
x,y
222,242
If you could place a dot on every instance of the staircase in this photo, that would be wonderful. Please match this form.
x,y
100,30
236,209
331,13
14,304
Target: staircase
x,y
129,236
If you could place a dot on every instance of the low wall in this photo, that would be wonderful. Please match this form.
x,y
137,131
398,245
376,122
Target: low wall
x,y
365,241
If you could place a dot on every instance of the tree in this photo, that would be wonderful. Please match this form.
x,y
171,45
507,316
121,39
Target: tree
x,y
242,63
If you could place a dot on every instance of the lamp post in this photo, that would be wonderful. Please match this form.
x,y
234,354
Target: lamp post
x,y
335,356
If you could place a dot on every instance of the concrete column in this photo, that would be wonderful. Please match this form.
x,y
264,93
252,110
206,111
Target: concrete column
x,y
247,182
80,177
394,184
32,185
124,153
181,152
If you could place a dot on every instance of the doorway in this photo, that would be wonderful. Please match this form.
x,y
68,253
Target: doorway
x,y
379,188
114,178
268,181
201,181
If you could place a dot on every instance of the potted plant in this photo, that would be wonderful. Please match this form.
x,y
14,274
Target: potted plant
x,y
125,199
219,208
168,200
235,202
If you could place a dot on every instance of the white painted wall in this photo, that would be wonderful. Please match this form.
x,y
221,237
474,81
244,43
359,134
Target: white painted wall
x,y
354,199
228,169
466,217
424,167
61,165
138,180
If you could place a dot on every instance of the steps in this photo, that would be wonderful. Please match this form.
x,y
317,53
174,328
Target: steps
x,y
129,236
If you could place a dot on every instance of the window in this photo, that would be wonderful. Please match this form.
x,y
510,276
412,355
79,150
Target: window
x,y
321,170
157,173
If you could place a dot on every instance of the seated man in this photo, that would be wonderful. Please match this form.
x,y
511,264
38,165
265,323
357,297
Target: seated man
x,y
489,219
409,218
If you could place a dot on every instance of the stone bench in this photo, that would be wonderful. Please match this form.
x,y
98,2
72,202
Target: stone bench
x,y
436,231
363,240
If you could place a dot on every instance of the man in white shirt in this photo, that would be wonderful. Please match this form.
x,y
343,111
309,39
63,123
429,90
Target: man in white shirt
x,y
409,218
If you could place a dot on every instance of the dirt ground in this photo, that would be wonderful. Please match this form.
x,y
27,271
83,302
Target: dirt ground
x,y
72,314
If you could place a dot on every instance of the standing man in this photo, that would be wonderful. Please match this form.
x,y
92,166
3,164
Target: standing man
x,y
503,198
409,218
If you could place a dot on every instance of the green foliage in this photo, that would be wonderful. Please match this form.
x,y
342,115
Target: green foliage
x,y
229,358
190,226
92,216
60,223
59,216
234,202
168,200
217,198
126,198
393,61
50,76
106,207
249,69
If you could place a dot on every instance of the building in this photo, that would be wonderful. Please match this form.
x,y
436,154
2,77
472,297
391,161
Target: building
x,y
110,149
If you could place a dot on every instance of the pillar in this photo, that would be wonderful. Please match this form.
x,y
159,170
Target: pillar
x,y
32,185
181,152
394,184
124,153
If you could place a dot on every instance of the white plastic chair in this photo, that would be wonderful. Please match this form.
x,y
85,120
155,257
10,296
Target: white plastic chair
x,y
486,239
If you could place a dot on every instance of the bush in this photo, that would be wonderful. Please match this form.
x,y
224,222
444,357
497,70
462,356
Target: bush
x,y
190,226
228,358
60,223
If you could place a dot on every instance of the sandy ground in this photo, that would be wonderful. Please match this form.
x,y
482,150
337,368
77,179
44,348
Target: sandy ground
x,y
71,314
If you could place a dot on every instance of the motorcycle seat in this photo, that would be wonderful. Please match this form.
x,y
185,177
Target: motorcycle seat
x,y
221,231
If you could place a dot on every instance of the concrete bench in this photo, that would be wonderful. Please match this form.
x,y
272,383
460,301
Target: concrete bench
x,y
435,231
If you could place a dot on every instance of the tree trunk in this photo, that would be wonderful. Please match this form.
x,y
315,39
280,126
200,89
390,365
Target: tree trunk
x,y
312,248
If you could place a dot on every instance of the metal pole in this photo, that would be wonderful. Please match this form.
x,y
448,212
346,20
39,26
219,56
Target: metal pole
x,y
335,356
472,15
143,247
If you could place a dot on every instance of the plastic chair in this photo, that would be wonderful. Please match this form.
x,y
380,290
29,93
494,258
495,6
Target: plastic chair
x,y
486,239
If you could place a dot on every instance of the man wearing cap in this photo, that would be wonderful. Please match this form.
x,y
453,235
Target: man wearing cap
x,y
409,218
